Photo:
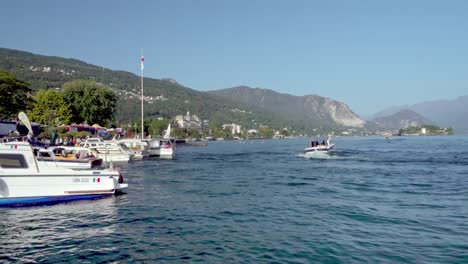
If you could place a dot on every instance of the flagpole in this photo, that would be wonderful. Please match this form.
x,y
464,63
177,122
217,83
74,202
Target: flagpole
x,y
142,123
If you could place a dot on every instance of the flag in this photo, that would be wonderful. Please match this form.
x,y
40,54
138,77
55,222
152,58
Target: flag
x,y
142,60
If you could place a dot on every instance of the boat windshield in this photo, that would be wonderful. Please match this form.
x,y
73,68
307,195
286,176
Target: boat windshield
x,y
13,161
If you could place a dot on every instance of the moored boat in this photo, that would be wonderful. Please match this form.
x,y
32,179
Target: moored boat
x,y
24,182
140,148
108,151
67,157
160,148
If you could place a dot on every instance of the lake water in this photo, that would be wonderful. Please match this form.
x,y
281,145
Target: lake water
x,y
373,200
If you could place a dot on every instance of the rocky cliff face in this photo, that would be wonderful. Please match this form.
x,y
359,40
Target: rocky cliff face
x,y
310,108
317,107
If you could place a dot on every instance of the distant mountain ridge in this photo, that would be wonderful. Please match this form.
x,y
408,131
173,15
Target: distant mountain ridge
x,y
403,119
446,113
309,108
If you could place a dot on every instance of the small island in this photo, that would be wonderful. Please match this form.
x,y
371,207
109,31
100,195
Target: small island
x,y
425,130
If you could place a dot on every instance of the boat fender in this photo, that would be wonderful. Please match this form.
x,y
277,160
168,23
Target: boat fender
x,y
121,179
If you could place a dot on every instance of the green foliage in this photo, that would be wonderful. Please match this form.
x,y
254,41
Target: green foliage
x,y
90,102
14,95
50,108
71,134
83,134
75,134
266,132
185,133
179,133
61,130
284,132
157,127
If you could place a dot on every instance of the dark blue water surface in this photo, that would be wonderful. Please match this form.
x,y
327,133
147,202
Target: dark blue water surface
x,y
372,200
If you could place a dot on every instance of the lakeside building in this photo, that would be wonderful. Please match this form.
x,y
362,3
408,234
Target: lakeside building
x,y
252,131
278,135
235,129
191,122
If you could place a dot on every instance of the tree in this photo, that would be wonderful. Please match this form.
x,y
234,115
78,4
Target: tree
x,y
50,108
179,132
156,126
284,132
266,132
15,95
90,101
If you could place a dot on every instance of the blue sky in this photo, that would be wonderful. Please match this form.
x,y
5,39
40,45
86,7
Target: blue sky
x,y
367,54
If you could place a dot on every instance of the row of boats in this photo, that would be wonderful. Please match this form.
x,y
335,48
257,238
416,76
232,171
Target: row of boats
x,y
32,175
96,152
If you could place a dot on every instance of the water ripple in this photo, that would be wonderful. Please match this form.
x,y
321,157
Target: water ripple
x,y
370,201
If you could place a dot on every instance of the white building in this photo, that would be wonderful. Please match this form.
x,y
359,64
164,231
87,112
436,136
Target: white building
x,y
252,131
192,122
235,129
188,121
278,135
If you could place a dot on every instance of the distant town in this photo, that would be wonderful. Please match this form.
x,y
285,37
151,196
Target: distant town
x,y
190,127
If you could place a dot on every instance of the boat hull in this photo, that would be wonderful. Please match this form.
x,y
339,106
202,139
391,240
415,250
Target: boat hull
x,y
47,200
161,152
18,190
323,149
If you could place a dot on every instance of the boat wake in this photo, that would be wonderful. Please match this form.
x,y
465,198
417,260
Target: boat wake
x,y
316,155
333,155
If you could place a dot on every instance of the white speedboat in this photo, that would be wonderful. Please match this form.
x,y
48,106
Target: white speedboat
x,y
316,146
67,157
24,182
108,151
139,147
160,148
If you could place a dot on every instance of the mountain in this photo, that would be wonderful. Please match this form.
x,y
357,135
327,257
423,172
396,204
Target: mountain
x,y
308,109
168,98
402,119
446,113
164,97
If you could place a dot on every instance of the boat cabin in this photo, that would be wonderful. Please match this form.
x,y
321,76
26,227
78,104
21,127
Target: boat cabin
x,y
17,155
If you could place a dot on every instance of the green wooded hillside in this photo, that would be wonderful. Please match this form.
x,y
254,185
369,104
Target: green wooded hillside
x,y
164,97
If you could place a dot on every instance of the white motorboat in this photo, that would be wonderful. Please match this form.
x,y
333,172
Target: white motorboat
x,y
160,148
67,157
24,182
108,151
139,147
316,146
